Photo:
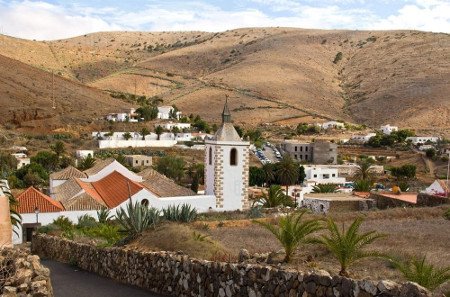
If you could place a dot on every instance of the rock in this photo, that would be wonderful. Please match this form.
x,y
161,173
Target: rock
x,y
369,286
9,291
410,289
244,255
39,289
386,286
221,292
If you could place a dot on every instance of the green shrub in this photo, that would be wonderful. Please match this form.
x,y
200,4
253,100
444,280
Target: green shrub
x,y
255,212
337,58
325,188
86,221
362,185
109,233
275,197
425,274
103,215
447,214
63,223
186,213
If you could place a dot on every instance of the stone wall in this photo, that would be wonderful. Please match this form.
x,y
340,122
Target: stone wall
x,y
22,274
178,275
424,199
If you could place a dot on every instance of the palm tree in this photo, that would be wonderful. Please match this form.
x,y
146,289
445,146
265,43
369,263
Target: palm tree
x,y
159,130
16,219
425,274
347,246
325,188
103,215
144,132
275,197
269,174
287,171
364,170
292,231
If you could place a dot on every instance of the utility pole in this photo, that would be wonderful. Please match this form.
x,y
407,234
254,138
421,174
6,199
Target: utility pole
x,y
53,90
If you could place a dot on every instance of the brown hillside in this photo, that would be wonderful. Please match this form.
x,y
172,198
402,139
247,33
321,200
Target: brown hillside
x,y
26,92
270,74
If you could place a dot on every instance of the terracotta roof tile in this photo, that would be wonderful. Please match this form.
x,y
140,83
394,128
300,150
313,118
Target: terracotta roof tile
x,y
67,190
98,166
163,186
116,188
68,173
32,198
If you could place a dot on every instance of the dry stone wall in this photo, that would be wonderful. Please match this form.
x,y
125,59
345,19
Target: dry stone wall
x,y
22,275
178,275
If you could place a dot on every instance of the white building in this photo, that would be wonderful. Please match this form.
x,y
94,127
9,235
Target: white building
x,y
82,154
362,138
164,112
323,175
227,166
333,125
170,125
388,129
129,116
22,159
438,187
422,139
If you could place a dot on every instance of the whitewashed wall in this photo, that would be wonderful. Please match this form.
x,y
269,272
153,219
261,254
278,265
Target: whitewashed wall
x,y
114,143
114,166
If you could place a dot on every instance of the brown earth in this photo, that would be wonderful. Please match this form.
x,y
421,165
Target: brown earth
x,y
270,74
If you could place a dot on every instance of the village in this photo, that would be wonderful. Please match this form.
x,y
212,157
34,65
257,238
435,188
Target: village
x,y
237,175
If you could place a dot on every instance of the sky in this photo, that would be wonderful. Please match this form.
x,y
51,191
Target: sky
x,y
57,19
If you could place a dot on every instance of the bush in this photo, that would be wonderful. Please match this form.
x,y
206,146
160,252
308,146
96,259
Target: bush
x,y
447,214
362,185
185,214
430,153
86,221
337,58
63,223
325,188
255,212
109,233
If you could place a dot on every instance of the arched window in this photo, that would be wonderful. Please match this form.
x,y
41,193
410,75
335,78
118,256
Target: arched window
x,y
210,156
144,202
233,157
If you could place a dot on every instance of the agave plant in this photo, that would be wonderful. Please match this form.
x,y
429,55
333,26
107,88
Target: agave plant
x,y
291,231
425,274
103,215
276,197
347,246
362,185
186,213
136,218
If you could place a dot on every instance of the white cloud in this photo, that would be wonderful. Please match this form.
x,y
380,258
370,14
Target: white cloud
x,y
425,15
41,20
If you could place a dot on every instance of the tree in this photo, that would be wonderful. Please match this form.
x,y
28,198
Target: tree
x,y
430,153
275,197
159,130
291,231
347,246
58,148
197,173
8,164
256,176
172,167
47,159
301,174
404,171
361,185
175,131
35,172
425,274
364,170
269,173
86,163
287,171
325,188
144,132
127,135
147,113
15,217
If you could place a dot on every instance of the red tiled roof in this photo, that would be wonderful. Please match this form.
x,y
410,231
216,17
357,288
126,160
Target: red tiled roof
x,y
32,198
67,173
116,188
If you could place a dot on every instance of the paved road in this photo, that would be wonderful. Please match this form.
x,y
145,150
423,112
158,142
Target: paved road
x,y
68,281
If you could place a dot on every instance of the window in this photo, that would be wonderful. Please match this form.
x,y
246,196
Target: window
x,y
210,156
301,148
315,175
147,161
233,157
301,157
137,161
144,202
295,148
295,156
326,176
306,149
306,157
333,175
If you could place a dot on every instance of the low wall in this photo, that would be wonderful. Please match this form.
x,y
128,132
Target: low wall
x,y
178,275
424,199
22,274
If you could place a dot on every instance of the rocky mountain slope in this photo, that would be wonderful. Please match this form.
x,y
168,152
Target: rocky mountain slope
x,y
270,74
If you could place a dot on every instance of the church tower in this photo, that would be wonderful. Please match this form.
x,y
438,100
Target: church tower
x,y
227,166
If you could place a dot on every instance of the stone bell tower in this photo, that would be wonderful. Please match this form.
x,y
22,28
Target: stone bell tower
x,y
227,166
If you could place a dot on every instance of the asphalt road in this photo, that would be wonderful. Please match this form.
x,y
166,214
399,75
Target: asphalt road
x,y
69,281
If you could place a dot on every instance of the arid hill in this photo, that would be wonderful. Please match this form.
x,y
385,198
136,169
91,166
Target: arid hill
x,y
270,74
26,99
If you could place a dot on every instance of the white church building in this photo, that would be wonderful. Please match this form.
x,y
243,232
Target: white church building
x,y
108,184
